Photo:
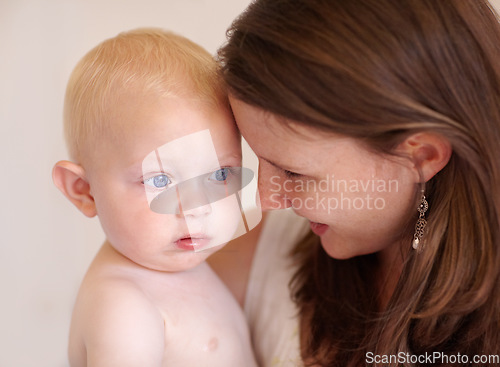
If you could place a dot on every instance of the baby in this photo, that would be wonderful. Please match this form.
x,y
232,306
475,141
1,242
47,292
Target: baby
x,y
157,157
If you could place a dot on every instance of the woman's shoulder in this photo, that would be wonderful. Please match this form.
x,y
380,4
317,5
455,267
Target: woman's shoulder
x,y
269,307
272,261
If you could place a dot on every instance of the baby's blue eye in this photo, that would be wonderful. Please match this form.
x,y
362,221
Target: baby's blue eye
x,y
159,182
220,175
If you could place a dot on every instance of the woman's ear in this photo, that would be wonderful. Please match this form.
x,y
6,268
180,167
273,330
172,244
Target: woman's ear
x,y
429,152
70,178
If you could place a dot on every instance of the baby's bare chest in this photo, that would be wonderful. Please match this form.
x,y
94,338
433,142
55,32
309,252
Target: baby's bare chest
x,y
204,326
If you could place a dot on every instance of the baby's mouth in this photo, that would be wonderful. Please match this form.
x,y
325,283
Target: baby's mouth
x,y
192,243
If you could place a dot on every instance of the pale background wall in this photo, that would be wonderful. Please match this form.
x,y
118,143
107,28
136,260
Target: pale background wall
x,y
45,243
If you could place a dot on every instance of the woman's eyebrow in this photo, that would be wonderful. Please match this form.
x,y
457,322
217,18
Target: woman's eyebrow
x,y
278,166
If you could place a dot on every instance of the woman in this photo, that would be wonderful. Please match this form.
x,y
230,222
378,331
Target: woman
x,y
379,122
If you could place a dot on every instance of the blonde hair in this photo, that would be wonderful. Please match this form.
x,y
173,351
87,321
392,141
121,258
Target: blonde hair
x,y
146,61
379,71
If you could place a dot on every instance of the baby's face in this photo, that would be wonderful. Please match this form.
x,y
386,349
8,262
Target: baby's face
x,y
164,185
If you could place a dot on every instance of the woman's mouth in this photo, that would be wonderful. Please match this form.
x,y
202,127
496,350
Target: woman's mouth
x,y
318,228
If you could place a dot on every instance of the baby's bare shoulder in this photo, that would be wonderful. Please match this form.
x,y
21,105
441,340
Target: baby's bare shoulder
x,y
116,322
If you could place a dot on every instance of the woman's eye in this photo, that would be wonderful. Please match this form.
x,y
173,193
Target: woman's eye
x,y
220,175
291,174
159,182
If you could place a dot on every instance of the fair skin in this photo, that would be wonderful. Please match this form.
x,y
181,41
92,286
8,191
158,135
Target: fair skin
x,y
377,195
149,298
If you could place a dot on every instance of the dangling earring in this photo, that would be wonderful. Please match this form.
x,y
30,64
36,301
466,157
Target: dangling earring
x,y
421,223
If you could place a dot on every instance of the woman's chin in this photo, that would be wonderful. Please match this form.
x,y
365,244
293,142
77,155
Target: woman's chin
x,y
337,250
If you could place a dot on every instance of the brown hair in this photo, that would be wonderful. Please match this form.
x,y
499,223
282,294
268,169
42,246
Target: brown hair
x,y
379,71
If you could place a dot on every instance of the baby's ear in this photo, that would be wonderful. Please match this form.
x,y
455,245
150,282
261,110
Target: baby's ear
x,y
70,178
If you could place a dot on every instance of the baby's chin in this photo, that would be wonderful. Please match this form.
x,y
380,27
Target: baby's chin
x,y
184,260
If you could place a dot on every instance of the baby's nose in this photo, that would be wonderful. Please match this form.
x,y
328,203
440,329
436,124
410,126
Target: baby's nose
x,y
192,198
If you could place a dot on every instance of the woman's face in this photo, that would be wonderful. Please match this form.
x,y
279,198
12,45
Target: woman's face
x,y
357,201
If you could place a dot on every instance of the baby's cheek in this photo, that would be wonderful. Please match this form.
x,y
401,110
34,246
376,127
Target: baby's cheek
x,y
226,215
226,209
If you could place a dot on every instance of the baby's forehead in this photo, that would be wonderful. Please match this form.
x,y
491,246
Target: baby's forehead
x,y
169,124
196,145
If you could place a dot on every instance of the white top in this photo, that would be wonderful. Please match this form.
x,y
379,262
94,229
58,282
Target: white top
x,y
271,313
